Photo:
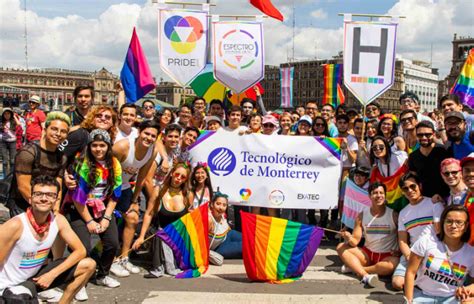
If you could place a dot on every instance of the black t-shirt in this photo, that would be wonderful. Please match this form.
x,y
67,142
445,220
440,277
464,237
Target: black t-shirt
x,y
76,142
427,168
76,117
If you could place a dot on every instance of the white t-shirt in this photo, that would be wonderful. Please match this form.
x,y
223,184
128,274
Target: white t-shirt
x,y
237,130
435,276
396,161
418,219
353,146
122,135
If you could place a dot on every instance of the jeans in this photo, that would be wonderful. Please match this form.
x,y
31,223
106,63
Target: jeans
x,y
231,248
109,238
8,150
420,297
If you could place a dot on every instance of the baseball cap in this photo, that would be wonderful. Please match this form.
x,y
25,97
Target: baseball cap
x,y
213,118
305,118
467,159
362,170
455,114
269,118
35,99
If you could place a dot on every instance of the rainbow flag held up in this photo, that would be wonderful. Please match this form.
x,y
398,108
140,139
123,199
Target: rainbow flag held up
x,y
464,86
136,77
333,94
188,239
356,200
276,250
395,198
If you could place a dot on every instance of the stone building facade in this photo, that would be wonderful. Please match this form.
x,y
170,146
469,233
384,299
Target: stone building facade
x,y
172,93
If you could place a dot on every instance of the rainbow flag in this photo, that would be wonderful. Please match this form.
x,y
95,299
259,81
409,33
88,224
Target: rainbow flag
x,y
332,144
276,250
188,239
356,200
136,76
395,198
333,94
464,86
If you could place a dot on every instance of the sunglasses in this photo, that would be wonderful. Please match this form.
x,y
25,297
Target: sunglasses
x,y
421,135
412,187
371,109
407,119
453,173
268,125
104,116
319,125
179,176
378,147
148,107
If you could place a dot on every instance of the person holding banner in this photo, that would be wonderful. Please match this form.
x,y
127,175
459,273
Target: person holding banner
x,y
235,117
213,123
378,225
255,124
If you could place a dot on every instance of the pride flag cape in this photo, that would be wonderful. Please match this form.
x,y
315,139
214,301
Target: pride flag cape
x,y
356,200
395,198
136,76
332,79
464,86
276,250
188,239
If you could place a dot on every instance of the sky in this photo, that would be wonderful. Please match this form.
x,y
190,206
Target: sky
x,y
91,34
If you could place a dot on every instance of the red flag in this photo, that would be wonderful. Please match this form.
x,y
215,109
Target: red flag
x,y
266,6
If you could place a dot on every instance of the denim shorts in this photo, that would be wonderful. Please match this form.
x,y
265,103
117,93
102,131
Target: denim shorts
x,y
401,267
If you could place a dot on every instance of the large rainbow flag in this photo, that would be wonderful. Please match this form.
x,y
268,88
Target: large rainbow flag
x,y
136,77
188,239
464,86
395,198
333,94
356,200
276,250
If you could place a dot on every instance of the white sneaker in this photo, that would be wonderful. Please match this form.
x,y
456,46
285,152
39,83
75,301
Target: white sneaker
x,y
50,295
81,295
108,282
117,270
345,269
129,266
370,280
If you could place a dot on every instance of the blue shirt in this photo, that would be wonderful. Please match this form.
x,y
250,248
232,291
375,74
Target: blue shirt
x,y
464,148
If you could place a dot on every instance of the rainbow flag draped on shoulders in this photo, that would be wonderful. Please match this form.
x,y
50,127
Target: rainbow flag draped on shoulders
x,y
333,94
356,200
276,250
188,239
464,86
395,198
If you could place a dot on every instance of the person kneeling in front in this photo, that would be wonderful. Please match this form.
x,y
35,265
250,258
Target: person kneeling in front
x,y
26,241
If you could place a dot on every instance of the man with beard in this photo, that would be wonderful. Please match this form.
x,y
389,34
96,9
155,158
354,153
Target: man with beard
x,y
461,142
426,161
327,113
83,96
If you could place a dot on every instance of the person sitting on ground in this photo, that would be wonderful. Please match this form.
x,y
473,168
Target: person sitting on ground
x,y
224,242
439,266
26,241
378,225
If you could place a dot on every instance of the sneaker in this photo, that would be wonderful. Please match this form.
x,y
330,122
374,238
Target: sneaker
x,y
345,269
50,295
130,267
155,273
370,280
117,270
108,282
81,295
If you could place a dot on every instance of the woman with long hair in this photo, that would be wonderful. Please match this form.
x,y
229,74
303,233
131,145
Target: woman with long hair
x,y
99,177
11,139
164,117
388,128
169,202
387,161
320,127
438,266
371,127
201,187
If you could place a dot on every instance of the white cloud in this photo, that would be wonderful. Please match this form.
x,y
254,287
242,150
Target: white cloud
x,y
319,14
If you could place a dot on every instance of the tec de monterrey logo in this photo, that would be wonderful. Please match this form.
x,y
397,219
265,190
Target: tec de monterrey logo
x,y
183,32
221,161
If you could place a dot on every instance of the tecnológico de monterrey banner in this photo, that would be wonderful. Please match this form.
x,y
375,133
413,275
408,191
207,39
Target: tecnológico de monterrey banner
x,y
272,170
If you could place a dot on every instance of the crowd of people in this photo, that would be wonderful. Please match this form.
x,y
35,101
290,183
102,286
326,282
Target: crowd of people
x,y
120,174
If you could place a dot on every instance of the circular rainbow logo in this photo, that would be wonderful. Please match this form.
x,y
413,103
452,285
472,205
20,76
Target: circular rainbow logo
x,y
238,55
183,32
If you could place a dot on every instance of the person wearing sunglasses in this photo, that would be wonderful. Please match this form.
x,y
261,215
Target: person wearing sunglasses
x,y
169,202
387,161
438,267
269,124
320,127
451,172
410,101
372,110
34,119
420,217
148,110
425,161
408,122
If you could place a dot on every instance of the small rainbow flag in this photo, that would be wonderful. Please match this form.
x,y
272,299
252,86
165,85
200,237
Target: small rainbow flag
x,y
332,79
395,198
464,86
356,200
276,250
136,77
188,239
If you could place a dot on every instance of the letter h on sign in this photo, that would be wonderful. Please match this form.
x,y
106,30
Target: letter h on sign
x,y
358,48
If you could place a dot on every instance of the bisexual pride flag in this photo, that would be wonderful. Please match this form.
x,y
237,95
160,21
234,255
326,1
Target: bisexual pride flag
x,y
464,86
136,76
276,250
188,238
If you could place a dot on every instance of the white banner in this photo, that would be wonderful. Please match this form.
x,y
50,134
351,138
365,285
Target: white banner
x,y
272,170
182,43
238,54
369,58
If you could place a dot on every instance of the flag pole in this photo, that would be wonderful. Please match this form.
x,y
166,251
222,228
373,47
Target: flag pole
x,y
129,250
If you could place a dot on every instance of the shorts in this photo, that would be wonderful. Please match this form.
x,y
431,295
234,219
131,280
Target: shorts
x,y
401,268
375,257
125,200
